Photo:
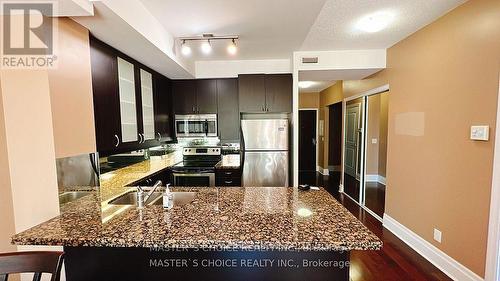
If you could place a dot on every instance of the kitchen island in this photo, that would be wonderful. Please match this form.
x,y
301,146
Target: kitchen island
x,y
231,233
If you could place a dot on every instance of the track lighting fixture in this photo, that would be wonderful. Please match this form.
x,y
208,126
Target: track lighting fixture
x,y
206,46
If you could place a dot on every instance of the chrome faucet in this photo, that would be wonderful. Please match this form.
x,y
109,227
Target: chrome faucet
x,y
141,198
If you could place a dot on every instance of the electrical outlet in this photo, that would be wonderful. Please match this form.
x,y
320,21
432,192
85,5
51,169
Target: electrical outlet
x,y
437,235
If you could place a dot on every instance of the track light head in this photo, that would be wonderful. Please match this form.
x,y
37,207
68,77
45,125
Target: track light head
x,y
185,49
206,47
232,49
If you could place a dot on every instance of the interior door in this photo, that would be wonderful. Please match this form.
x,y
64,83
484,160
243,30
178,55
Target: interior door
x,y
352,131
307,140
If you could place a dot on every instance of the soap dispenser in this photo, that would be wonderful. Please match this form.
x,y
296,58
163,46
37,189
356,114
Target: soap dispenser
x,y
168,198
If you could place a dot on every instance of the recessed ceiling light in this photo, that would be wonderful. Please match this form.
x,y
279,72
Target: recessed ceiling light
x,y
375,22
305,84
185,49
232,49
206,48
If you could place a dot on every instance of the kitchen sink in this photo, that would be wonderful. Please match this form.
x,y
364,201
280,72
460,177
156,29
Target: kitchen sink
x,y
70,196
130,198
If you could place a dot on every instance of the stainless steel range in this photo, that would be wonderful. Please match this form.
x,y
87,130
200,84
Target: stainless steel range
x,y
197,167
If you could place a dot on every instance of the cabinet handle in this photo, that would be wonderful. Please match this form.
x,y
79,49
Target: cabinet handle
x,y
228,173
143,138
194,109
262,108
159,136
117,141
140,139
228,182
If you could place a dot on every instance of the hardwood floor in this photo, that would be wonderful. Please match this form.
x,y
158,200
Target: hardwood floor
x,y
396,261
375,197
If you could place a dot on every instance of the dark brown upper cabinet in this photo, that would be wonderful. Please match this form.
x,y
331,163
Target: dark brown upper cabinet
x,y
228,114
184,96
265,93
106,97
279,92
163,108
195,96
206,96
252,92
129,109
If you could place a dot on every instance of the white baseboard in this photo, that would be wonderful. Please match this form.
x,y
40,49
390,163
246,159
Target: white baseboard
x,y
336,168
375,178
438,258
322,171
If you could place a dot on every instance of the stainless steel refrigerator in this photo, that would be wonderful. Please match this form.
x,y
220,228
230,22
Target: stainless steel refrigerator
x,y
265,152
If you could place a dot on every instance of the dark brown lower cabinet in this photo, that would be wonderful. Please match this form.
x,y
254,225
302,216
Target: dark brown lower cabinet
x,y
228,177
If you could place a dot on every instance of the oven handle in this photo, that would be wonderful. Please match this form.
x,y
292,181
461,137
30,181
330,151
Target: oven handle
x,y
182,173
206,127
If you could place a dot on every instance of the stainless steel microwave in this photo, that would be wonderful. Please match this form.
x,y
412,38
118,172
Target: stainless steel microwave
x,y
196,125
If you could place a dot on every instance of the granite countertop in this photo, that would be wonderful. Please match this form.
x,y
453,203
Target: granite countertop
x,y
229,217
230,161
130,174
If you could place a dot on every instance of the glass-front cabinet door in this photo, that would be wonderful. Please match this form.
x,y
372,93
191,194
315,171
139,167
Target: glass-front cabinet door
x,y
128,113
148,118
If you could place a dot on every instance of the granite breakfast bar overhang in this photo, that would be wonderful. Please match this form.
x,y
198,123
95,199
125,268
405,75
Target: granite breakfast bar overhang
x,y
252,233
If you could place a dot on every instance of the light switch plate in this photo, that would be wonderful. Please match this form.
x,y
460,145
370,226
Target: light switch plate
x,y
437,235
481,133
374,141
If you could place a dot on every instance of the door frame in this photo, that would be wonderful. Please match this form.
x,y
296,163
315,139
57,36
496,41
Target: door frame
x,y
493,248
374,91
317,135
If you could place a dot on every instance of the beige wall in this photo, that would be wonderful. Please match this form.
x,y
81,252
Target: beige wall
x,y
355,87
6,208
383,132
39,108
308,100
443,79
71,92
329,96
373,132
30,146
376,153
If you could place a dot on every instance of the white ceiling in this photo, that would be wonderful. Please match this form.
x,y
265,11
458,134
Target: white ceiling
x,y
268,29
273,29
335,29
317,86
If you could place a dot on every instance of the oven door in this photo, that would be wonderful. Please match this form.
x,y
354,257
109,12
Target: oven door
x,y
195,179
